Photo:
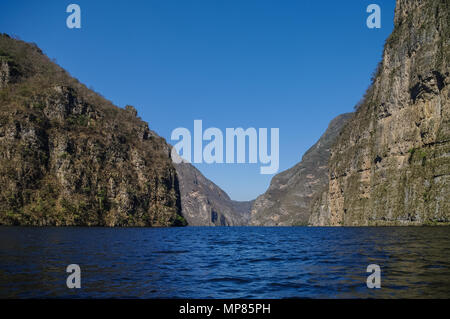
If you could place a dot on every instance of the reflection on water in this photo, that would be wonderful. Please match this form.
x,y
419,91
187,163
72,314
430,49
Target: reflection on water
x,y
234,262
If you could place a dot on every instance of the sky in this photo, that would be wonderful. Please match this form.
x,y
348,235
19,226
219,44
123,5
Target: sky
x,y
292,65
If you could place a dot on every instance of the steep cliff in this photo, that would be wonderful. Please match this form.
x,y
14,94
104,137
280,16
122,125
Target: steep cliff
x,y
203,203
288,199
391,164
70,157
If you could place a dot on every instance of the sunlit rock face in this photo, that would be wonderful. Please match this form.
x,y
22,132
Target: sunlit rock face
x,y
70,157
391,164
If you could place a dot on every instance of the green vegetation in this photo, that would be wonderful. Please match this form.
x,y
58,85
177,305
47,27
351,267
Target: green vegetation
x,y
417,153
80,120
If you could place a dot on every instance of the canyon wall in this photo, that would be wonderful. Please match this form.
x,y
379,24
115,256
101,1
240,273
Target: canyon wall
x,y
70,157
203,203
391,163
288,200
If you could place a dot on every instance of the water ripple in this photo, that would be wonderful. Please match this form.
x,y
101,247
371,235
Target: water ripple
x,y
234,262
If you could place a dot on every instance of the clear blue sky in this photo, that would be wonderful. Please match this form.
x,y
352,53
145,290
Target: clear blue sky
x,y
294,65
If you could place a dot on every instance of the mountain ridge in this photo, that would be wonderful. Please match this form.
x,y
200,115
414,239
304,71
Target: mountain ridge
x,y
287,200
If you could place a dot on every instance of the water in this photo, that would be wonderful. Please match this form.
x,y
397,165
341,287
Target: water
x,y
234,262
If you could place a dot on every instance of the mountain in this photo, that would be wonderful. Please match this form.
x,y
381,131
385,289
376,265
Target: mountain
x,y
70,157
205,204
391,164
288,198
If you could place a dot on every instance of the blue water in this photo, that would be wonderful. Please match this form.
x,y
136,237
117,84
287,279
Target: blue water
x,y
234,262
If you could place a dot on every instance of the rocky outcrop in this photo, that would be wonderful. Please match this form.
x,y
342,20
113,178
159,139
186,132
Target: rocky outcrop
x,y
4,73
391,164
70,157
205,204
288,199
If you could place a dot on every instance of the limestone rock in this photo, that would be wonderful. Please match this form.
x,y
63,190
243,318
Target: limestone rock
x,y
391,164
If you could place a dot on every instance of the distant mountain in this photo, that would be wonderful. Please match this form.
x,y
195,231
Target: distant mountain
x,y
70,157
205,204
288,199
391,164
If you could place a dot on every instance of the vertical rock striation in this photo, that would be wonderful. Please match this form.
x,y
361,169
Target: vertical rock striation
x,y
391,164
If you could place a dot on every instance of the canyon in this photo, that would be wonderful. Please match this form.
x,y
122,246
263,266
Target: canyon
x,y
68,156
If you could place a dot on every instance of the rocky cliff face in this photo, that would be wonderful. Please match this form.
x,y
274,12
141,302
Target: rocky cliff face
x,y
288,199
391,164
70,157
205,204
